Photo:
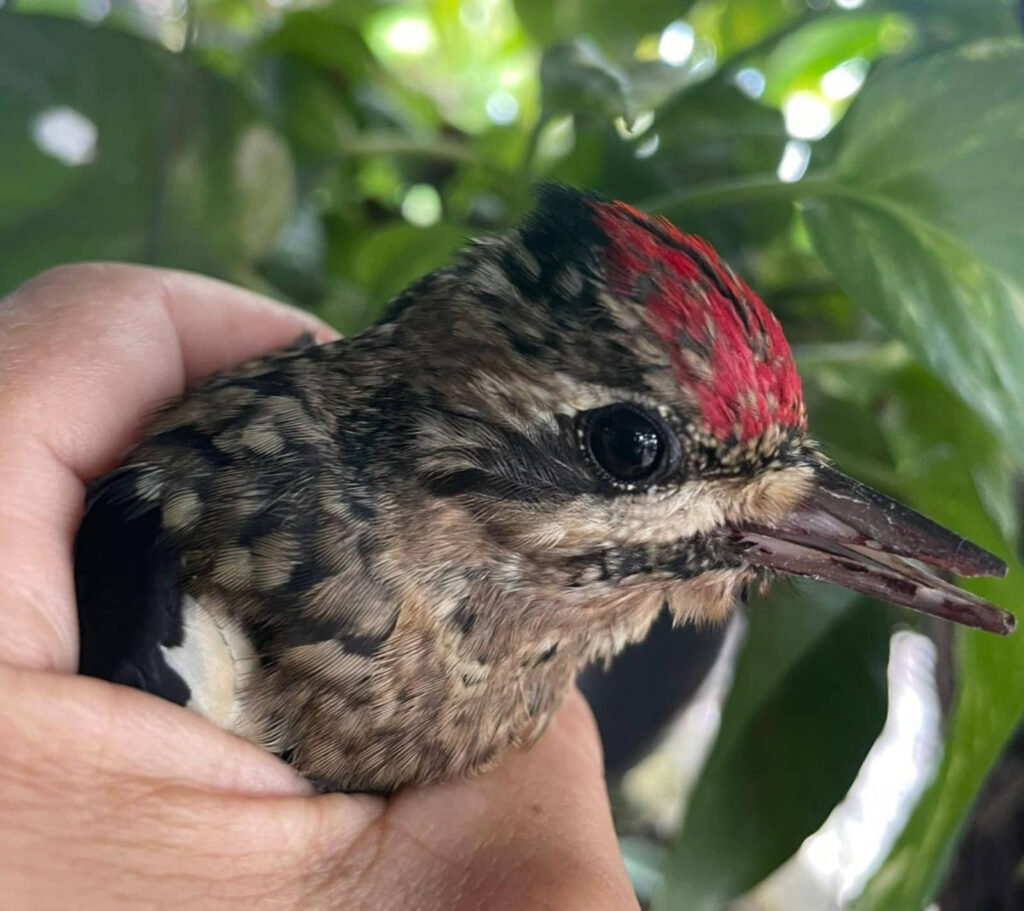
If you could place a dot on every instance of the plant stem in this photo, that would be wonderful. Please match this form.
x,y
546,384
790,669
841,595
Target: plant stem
x,y
853,351
371,144
732,190
173,106
530,153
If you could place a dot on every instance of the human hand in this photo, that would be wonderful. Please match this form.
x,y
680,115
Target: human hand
x,y
112,798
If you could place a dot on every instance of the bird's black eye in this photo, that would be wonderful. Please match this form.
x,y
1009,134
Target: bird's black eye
x,y
628,444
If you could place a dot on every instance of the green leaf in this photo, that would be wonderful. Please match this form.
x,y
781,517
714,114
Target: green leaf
x,y
737,25
941,458
807,702
708,132
918,218
643,860
720,131
712,131
385,260
799,60
609,21
327,37
944,459
576,78
183,171
954,21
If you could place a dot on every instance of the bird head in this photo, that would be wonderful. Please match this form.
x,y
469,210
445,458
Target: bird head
x,y
622,415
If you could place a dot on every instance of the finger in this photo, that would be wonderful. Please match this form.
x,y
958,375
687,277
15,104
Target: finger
x,y
534,832
87,353
101,345
148,795
88,730
112,798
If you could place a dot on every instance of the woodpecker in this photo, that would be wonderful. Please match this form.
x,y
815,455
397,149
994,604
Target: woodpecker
x,y
386,558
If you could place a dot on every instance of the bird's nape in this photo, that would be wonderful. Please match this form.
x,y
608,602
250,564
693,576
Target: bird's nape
x,y
847,533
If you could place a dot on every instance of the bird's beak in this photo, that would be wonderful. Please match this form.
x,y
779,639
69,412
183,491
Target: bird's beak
x,y
849,534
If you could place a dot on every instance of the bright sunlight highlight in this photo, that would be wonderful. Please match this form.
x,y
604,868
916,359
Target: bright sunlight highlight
x,y
65,134
410,35
676,43
843,81
795,159
421,205
808,115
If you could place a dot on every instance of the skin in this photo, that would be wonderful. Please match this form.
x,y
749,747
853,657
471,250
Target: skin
x,y
112,798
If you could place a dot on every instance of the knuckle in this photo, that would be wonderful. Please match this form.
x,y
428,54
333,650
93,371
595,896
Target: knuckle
x,y
75,283
56,276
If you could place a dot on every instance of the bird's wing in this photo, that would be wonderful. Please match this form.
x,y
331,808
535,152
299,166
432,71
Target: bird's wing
x,y
127,587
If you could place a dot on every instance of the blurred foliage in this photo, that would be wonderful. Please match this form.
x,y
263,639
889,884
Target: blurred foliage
x,y
809,661
859,162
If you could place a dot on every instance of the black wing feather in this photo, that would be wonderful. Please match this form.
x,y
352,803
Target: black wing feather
x,y
128,589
